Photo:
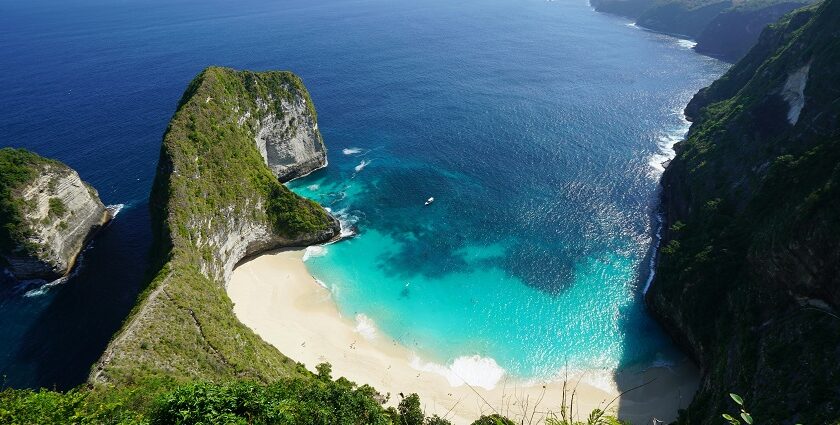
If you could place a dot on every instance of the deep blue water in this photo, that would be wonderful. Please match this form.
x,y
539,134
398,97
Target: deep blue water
x,y
532,123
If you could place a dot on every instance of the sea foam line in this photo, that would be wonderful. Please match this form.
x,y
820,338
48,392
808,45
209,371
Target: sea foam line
x,y
666,144
475,370
657,239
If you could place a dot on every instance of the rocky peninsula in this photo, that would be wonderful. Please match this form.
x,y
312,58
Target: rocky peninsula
x,y
218,198
47,213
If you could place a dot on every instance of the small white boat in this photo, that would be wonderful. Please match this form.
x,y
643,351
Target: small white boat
x,y
429,201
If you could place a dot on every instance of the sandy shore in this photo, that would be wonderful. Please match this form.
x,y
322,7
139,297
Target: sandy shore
x,y
276,297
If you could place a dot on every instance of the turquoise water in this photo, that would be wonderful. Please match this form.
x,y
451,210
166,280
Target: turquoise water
x,y
539,129
536,125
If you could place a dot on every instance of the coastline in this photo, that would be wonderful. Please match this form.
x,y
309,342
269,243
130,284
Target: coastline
x,y
274,295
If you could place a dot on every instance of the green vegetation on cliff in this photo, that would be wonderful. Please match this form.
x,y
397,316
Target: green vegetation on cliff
x,y
17,167
214,201
748,277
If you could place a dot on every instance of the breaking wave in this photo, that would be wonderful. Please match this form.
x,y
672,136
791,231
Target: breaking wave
x,y
687,44
115,209
665,143
347,221
474,370
351,151
314,251
362,165
365,327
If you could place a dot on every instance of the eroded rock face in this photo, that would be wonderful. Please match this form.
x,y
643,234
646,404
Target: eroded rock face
x,y
59,213
291,144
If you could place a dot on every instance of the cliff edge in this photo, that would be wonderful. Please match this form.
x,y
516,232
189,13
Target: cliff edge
x,y
722,28
749,275
47,214
217,198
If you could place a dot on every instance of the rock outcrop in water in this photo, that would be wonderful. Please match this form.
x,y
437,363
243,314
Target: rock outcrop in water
x,y
47,215
749,277
722,28
217,199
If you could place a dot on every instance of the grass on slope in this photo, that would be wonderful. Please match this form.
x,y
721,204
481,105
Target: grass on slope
x,y
17,167
211,182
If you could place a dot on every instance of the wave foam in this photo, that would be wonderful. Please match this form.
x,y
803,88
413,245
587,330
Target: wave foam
x,y
365,327
313,187
115,209
362,165
666,144
474,370
44,287
687,44
347,222
657,239
314,251
351,151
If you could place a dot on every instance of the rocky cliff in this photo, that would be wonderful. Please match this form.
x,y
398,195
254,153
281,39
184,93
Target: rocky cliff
x,y
749,275
47,213
289,141
217,199
722,28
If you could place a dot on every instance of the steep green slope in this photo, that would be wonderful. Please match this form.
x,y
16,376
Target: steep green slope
x,y
723,28
748,278
18,167
214,202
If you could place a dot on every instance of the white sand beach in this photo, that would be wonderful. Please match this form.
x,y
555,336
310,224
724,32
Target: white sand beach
x,y
276,297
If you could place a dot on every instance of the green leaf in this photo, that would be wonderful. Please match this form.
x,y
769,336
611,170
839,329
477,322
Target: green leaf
x,y
728,417
737,398
747,418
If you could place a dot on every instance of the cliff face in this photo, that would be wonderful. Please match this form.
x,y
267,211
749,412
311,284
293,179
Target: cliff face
x,y
722,28
681,18
290,142
732,32
749,277
216,200
48,214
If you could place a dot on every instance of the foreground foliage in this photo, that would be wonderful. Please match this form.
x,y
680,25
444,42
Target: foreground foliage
x,y
303,399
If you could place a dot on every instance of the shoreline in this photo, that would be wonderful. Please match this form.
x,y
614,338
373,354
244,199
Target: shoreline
x,y
275,296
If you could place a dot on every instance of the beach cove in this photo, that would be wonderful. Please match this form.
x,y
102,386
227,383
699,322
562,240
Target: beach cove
x,y
275,296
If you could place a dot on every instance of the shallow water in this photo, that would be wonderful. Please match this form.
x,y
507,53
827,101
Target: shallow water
x,y
537,126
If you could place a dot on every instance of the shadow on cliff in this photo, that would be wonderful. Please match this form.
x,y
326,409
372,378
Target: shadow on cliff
x,y
58,348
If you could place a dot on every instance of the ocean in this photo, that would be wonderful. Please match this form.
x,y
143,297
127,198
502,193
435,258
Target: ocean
x,y
539,127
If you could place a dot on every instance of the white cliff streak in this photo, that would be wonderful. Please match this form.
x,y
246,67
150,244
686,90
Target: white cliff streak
x,y
794,92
